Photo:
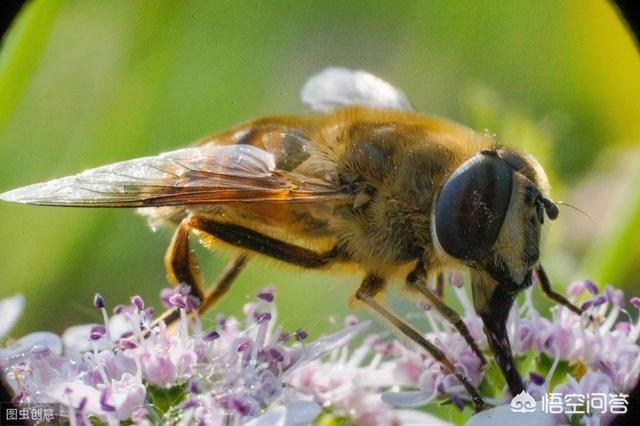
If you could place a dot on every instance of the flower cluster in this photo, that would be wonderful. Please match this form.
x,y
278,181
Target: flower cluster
x,y
250,371
567,354
130,368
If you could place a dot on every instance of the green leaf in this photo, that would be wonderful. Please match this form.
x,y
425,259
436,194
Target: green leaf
x,y
166,400
449,412
526,363
96,421
575,419
493,381
327,418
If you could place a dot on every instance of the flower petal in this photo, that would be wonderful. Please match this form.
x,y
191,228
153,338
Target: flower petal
x,y
274,417
419,418
328,343
408,398
74,392
120,325
76,340
302,413
28,342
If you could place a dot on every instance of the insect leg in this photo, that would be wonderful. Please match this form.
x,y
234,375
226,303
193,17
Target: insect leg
x,y
551,294
182,268
418,279
446,311
218,289
246,238
366,292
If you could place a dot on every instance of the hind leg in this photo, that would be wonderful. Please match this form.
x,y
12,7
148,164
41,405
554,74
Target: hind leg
x,y
182,268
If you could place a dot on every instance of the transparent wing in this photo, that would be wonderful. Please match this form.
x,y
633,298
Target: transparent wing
x,y
335,87
199,175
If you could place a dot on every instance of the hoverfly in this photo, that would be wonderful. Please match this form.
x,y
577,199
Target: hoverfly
x,y
365,180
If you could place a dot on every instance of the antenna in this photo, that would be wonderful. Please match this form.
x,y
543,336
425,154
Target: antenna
x,y
562,203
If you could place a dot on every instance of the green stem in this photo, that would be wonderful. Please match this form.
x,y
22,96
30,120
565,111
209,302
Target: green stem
x,y
21,50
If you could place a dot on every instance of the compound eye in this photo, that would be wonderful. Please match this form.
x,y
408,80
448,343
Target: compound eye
x,y
472,206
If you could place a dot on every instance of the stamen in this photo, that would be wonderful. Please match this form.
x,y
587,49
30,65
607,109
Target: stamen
x,y
267,297
589,285
301,335
99,364
127,344
211,336
184,324
138,302
536,378
556,360
284,337
98,302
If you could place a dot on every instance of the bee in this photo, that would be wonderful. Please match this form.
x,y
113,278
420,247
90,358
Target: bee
x,y
363,181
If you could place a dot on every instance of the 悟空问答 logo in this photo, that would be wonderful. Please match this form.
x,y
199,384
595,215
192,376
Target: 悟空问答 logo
x,y
523,403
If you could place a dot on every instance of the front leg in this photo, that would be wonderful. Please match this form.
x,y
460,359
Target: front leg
x,y
551,294
373,284
418,279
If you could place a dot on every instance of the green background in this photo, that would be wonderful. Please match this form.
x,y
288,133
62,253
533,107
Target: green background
x,y
84,84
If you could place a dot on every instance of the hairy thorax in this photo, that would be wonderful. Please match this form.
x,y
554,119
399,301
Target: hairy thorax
x,y
394,171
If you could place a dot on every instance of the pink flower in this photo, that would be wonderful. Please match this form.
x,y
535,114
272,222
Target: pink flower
x,y
253,372
126,395
158,369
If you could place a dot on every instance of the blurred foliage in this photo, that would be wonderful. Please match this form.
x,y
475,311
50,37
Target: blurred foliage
x,y
88,83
